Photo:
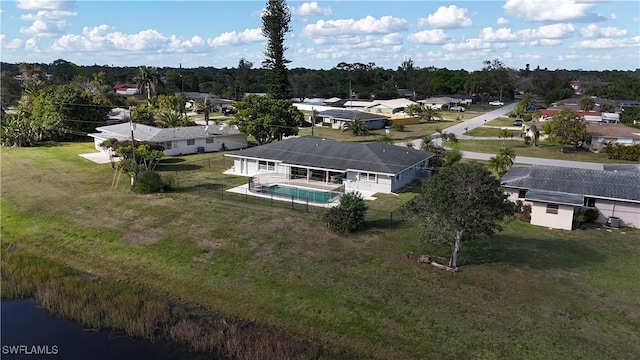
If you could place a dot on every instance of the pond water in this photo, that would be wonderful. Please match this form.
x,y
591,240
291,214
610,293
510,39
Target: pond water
x,y
29,332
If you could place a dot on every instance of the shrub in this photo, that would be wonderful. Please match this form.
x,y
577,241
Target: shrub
x,y
591,215
348,216
518,206
526,211
397,126
527,140
527,117
147,182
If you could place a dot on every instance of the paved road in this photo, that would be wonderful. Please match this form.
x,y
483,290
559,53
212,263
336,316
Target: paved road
x,y
462,127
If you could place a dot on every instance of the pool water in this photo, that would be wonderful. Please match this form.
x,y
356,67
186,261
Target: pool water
x,y
299,193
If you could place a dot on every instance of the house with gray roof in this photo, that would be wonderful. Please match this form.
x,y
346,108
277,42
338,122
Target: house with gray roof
x,y
338,117
558,194
316,162
177,140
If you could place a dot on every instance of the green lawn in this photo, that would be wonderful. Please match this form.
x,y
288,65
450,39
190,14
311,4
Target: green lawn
x,y
532,293
410,132
543,150
489,132
501,121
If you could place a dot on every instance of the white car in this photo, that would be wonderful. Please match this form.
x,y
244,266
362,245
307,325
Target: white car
x,y
496,103
457,108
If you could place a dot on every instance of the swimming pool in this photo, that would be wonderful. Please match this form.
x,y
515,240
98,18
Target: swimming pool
x,y
288,192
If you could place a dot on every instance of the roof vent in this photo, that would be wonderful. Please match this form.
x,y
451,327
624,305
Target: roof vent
x,y
316,145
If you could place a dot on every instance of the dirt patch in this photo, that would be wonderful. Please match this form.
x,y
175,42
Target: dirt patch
x,y
142,233
209,244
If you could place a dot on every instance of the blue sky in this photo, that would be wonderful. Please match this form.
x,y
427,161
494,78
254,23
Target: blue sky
x,y
554,34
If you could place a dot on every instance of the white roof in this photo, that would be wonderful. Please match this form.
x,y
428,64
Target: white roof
x,y
439,100
154,134
394,103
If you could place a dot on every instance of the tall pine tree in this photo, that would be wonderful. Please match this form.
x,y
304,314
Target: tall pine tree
x,y
275,24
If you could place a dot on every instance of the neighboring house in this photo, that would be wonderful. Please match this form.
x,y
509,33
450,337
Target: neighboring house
x,y
612,118
118,115
462,98
337,118
371,167
359,104
614,133
126,89
178,140
406,93
439,103
389,106
558,194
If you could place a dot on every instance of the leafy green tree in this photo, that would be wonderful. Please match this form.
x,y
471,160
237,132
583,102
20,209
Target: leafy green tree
x,y
462,203
356,127
148,80
587,103
275,24
67,112
267,119
413,109
163,103
451,157
629,115
608,108
10,89
567,128
347,217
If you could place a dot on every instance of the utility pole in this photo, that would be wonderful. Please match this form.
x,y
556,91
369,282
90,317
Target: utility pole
x,y
133,148
313,120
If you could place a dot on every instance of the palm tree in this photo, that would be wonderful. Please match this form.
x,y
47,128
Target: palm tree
x,y
430,114
356,127
502,162
428,143
207,107
147,80
170,119
32,89
527,100
413,110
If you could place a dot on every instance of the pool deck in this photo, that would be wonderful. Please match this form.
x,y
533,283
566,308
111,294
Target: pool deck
x,y
244,190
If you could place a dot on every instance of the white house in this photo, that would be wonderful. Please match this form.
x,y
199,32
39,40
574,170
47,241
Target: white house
x,y
389,106
439,103
558,194
601,133
339,117
316,162
177,140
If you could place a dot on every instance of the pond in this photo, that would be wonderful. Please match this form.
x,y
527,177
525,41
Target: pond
x,y
29,332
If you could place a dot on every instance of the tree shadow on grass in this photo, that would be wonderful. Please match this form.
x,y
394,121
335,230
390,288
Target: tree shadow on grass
x,y
532,252
178,167
170,161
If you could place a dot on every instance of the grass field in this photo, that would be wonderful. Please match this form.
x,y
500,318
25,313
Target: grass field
x,y
489,132
531,293
410,132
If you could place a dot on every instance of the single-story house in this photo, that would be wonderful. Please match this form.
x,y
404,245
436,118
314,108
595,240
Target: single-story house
x,y
126,89
389,106
118,115
177,140
558,194
371,167
462,98
439,103
601,133
338,117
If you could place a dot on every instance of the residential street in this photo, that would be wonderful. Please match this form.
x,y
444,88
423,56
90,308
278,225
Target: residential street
x,y
464,126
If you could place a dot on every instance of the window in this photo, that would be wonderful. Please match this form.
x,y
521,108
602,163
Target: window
x,y
368,177
191,142
589,202
266,165
168,145
552,208
209,140
522,194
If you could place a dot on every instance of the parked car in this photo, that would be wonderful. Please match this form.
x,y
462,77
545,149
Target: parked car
x,y
228,111
457,108
496,103
517,122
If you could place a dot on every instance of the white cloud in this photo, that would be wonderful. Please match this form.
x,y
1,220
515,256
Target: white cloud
x,y
447,17
311,8
606,43
392,39
31,44
99,38
548,10
41,28
46,4
502,21
367,25
237,38
48,15
469,44
10,45
593,30
544,42
435,36
613,16
554,31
